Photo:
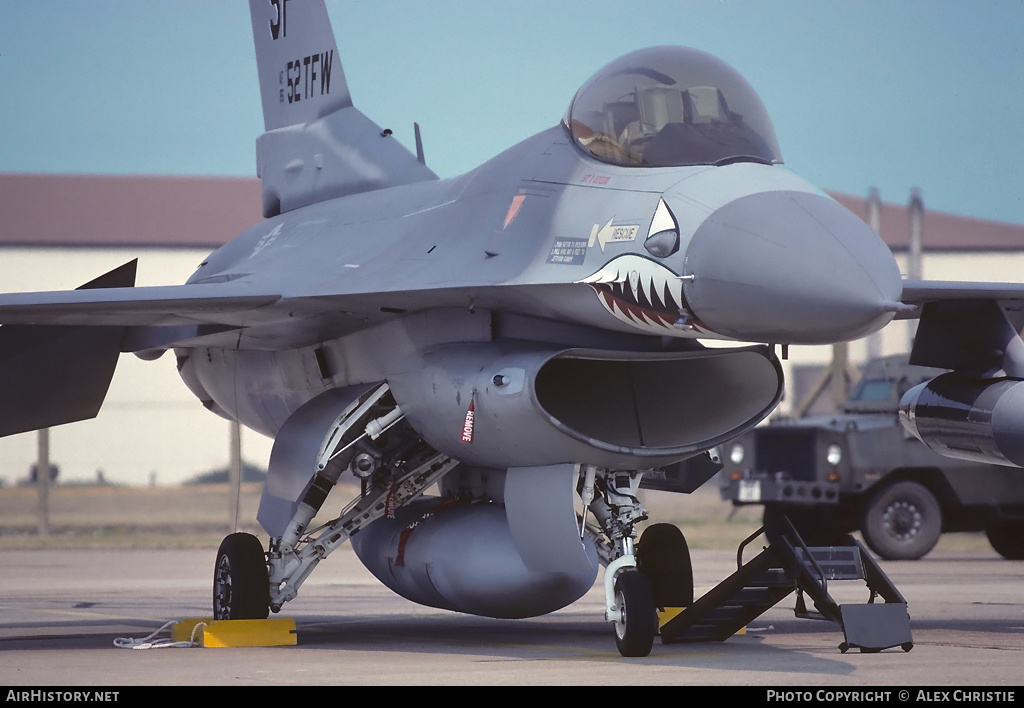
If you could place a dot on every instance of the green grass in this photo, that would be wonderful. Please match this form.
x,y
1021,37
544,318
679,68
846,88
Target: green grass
x,y
197,516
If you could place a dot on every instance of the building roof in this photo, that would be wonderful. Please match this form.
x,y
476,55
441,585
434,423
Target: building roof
x,y
940,231
207,212
125,210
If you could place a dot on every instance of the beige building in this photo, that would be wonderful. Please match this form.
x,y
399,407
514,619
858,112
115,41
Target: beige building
x,y
953,248
59,231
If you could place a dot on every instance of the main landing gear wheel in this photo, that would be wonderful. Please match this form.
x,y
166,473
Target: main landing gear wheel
x,y
663,556
902,521
241,583
638,621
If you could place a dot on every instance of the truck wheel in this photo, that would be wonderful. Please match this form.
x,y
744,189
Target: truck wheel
x,y
902,521
1007,538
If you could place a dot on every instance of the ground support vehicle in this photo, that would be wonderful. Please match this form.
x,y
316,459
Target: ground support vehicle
x,y
858,469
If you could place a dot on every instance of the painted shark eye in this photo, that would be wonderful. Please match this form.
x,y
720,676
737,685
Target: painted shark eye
x,y
662,244
663,238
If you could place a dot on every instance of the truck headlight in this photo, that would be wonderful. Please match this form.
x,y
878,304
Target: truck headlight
x,y
834,455
737,453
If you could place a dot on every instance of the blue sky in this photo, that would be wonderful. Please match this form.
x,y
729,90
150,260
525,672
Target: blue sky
x,y
893,94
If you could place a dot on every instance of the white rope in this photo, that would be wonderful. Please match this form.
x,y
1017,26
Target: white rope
x,y
151,642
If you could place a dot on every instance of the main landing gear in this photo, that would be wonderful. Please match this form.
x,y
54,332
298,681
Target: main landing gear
x,y
250,582
241,585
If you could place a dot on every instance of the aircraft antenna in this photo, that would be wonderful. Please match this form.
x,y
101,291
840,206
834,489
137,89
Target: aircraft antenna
x,y
419,144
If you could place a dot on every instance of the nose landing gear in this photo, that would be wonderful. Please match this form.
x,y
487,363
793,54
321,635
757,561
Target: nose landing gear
x,y
636,620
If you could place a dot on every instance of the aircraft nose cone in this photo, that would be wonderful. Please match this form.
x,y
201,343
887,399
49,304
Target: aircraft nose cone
x,y
790,267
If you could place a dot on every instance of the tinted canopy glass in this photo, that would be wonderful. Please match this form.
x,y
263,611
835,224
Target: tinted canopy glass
x,y
670,106
872,390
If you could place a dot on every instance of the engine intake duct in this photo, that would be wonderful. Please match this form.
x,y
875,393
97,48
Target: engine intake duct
x,y
657,403
533,406
970,419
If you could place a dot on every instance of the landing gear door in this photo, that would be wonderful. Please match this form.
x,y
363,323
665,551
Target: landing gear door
x,y
297,447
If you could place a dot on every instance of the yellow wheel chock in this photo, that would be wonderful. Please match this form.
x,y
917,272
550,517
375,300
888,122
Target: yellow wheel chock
x,y
274,632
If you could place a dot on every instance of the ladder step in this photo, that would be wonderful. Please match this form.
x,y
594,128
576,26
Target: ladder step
x,y
836,562
756,596
768,596
771,578
729,614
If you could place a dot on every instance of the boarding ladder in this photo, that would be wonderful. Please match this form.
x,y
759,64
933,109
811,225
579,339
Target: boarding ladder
x,y
788,565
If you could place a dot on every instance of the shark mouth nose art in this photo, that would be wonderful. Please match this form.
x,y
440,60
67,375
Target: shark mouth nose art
x,y
643,293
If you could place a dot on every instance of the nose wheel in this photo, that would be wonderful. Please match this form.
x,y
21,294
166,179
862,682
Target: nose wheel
x,y
637,620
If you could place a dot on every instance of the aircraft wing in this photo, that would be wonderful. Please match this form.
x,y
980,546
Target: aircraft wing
x,y
918,292
966,326
58,350
173,305
241,305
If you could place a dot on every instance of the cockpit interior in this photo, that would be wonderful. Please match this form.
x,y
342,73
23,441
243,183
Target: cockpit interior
x,y
671,106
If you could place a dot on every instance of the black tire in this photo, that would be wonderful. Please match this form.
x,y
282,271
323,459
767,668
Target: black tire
x,y
1007,538
902,521
634,633
663,556
241,583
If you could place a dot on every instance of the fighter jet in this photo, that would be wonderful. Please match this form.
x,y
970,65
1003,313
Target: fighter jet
x,y
531,337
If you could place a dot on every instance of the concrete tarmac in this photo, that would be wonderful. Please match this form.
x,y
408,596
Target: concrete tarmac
x,y
60,612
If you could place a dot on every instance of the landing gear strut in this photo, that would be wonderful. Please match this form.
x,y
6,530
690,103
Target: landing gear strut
x,y
250,582
629,602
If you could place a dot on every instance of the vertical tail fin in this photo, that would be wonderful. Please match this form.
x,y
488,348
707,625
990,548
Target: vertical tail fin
x,y
318,146
301,78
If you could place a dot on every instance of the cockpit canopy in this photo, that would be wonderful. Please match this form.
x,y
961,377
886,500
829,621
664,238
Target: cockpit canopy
x,y
671,106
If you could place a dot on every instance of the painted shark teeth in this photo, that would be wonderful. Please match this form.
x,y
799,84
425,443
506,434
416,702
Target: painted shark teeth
x,y
641,293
